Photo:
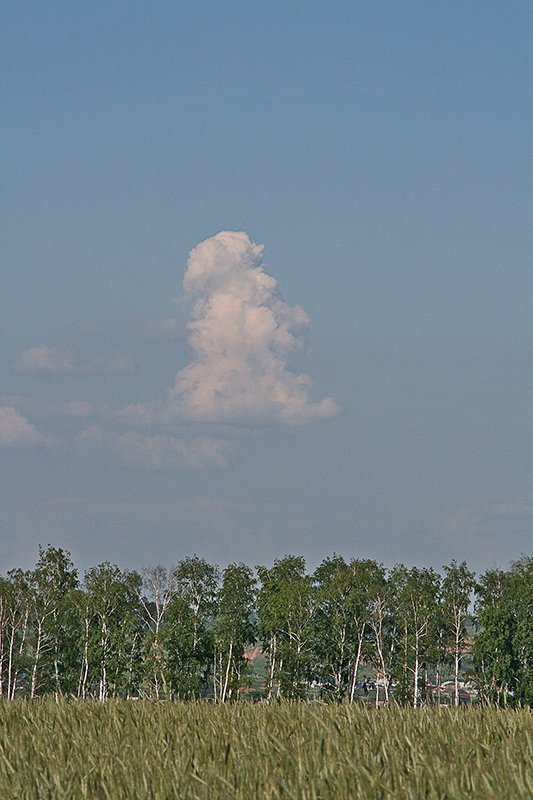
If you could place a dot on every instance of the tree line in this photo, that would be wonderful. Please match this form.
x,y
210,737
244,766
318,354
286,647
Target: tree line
x,y
186,632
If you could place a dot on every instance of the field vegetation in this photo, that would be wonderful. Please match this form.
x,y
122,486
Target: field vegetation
x,y
204,751
140,685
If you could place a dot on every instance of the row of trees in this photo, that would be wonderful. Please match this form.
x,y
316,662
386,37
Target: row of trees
x,y
187,631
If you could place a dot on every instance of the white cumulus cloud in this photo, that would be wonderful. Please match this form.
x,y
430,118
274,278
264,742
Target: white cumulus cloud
x,y
17,431
78,408
163,452
160,451
46,359
241,333
54,361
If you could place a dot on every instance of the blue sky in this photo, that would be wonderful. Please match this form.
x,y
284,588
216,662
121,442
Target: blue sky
x,y
381,153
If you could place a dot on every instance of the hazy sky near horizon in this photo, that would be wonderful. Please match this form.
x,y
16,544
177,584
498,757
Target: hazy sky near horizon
x,y
268,281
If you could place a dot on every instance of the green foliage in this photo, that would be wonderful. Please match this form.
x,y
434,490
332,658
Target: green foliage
x,y
457,587
342,623
114,628
188,650
52,621
415,595
123,750
186,632
503,647
285,610
233,629
14,614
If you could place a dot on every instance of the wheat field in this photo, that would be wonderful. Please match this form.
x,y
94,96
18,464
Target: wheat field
x,y
139,750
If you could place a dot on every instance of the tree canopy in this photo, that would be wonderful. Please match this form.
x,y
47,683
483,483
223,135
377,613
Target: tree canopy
x,y
190,630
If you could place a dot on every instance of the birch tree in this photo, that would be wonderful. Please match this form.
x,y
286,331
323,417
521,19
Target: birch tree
x,y
382,621
155,595
196,581
14,614
503,646
416,591
188,631
83,612
234,629
521,588
457,587
49,587
285,611
342,620
112,598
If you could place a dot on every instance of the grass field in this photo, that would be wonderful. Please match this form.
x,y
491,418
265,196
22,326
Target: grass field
x,y
140,750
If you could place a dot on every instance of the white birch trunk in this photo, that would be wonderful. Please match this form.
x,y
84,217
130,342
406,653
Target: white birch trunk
x,y
356,666
36,658
272,666
21,650
10,658
415,692
226,679
82,684
456,688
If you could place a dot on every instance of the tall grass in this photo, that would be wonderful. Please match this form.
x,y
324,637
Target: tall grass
x,y
140,750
